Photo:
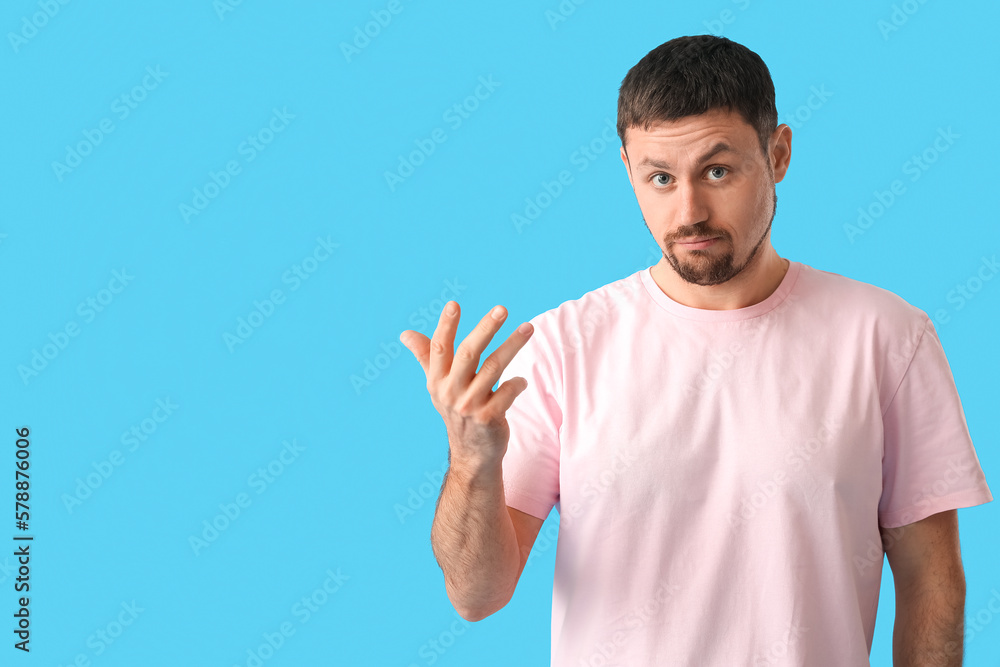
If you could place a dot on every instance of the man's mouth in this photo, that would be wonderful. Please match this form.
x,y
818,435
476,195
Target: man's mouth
x,y
699,242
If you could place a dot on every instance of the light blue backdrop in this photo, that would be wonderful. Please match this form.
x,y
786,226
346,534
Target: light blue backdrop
x,y
205,273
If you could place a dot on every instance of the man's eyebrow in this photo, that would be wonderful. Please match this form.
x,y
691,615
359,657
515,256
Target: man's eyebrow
x,y
720,147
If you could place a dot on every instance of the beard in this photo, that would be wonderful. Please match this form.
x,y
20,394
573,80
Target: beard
x,y
716,264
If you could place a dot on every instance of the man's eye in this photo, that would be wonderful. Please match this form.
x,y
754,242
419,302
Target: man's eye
x,y
725,171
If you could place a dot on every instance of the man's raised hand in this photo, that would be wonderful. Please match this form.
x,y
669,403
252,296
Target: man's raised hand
x,y
474,414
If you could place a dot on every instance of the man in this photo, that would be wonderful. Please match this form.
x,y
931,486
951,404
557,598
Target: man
x,y
732,439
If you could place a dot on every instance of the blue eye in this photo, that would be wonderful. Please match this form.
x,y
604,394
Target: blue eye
x,y
654,177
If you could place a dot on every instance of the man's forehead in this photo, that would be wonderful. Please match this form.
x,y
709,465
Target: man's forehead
x,y
698,131
660,160
701,136
661,154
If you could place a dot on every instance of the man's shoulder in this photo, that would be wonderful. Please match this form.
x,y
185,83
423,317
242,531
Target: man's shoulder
x,y
841,296
593,306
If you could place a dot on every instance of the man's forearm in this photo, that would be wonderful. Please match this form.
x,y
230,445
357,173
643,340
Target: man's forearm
x,y
474,541
929,627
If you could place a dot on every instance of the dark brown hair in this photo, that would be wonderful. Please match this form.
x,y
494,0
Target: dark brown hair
x,y
692,75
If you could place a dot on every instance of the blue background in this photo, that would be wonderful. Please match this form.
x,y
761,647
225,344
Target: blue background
x,y
324,369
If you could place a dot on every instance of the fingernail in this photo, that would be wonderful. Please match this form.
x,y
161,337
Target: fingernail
x,y
497,313
525,328
452,308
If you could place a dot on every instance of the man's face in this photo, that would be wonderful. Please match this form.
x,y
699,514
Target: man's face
x,y
705,176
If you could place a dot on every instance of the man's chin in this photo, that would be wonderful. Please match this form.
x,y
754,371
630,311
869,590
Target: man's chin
x,y
697,272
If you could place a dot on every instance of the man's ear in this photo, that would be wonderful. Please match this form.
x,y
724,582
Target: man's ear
x,y
628,168
781,151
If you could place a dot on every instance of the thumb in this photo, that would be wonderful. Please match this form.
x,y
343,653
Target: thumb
x,y
418,344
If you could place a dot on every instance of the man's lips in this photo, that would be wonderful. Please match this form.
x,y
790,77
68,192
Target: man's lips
x,y
703,243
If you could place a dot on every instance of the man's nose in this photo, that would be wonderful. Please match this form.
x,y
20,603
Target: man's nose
x,y
692,205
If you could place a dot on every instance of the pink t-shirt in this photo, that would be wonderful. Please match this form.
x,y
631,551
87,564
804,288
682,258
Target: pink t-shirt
x,y
721,475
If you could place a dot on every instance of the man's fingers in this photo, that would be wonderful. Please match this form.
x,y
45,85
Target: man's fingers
x,y
466,361
419,345
442,343
495,364
505,394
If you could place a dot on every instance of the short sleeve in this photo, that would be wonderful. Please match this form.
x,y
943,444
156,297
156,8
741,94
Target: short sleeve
x,y
531,463
929,464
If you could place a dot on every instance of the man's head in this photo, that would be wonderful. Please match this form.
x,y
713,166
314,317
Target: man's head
x,y
700,141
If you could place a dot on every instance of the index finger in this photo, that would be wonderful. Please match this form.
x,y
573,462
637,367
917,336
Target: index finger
x,y
443,342
466,361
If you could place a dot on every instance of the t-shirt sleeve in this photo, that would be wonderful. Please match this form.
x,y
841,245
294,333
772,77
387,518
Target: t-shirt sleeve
x,y
531,463
929,464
